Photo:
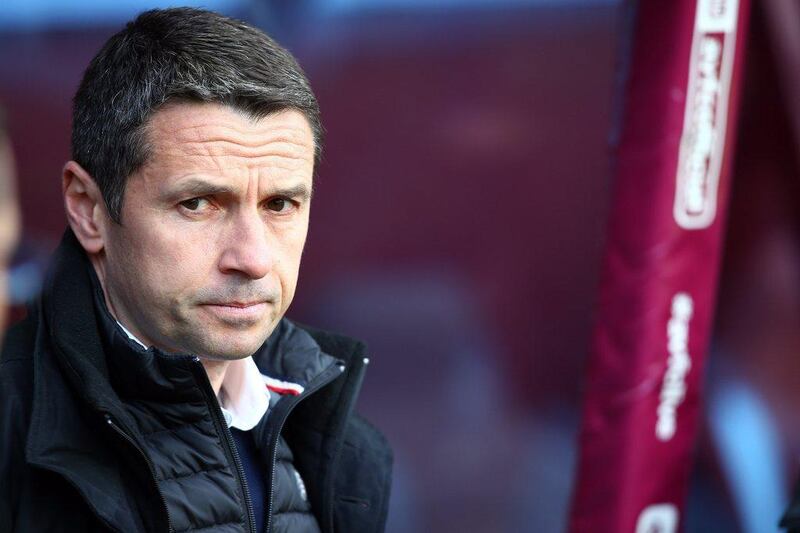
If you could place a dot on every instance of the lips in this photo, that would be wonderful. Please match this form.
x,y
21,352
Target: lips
x,y
237,313
237,304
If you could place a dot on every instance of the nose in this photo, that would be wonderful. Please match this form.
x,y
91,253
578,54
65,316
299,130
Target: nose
x,y
248,248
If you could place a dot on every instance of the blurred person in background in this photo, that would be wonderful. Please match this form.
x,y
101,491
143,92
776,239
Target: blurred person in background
x,y
9,217
156,385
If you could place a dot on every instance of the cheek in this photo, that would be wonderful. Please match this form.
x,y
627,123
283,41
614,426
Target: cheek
x,y
296,240
289,264
161,262
293,250
184,261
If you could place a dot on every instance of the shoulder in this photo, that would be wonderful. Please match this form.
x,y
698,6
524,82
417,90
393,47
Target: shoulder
x,y
366,439
16,363
16,391
365,463
16,360
360,433
363,485
19,341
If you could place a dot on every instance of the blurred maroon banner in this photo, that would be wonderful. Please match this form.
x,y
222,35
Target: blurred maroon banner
x,y
661,266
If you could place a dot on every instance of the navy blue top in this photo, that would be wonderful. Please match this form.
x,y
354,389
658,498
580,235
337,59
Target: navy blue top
x,y
254,473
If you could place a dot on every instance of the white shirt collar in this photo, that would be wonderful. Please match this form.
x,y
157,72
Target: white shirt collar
x,y
131,336
243,396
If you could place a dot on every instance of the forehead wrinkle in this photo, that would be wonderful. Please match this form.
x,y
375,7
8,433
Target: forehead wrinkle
x,y
247,138
221,145
287,166
249,133
218,167
215,165
274,143
225,155
293,132
234,149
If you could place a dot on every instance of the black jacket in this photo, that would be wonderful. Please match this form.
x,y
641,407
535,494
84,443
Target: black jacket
x,y
95,436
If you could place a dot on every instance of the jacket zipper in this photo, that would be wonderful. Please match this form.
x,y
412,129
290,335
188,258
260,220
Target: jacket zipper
x,y
328,376
216,412
119,431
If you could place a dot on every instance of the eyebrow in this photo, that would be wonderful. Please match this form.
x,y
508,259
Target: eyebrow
x,y
201,187
298,191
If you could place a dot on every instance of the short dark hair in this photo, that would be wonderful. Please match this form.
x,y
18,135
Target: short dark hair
x,y
181,54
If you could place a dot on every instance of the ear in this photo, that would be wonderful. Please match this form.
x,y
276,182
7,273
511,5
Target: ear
x,y
86,211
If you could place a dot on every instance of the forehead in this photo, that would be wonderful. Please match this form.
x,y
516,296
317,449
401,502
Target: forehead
x,y
209,129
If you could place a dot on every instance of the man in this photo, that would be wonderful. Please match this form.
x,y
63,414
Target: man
x,y
9,217
156,385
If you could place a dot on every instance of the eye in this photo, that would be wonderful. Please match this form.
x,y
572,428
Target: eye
x,y
279,204
193,204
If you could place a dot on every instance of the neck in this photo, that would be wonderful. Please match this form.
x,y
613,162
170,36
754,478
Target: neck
x,y
216,372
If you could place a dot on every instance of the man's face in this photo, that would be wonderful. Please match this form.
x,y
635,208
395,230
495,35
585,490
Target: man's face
x,y
9,223
213,226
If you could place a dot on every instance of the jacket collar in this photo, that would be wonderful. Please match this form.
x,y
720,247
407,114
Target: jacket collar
x,y
68,362
70,327
135,372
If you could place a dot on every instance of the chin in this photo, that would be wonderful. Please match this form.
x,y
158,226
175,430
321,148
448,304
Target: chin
x,y
227,342
223,346
229,351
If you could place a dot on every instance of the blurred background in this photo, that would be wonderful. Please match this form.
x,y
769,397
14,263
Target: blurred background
x,y
458,229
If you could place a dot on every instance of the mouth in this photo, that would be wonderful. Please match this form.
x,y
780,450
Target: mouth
x,y
238,304
237,313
